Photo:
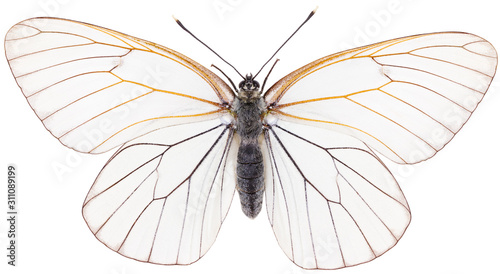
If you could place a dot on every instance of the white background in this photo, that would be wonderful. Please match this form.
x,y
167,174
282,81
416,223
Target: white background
x,y
454,197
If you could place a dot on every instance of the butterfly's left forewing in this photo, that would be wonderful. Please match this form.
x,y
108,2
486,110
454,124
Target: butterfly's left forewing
x,y
95,89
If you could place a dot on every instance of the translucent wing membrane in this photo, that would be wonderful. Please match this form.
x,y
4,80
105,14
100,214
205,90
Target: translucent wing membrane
x,y
163,197
94,88
331,202
406,98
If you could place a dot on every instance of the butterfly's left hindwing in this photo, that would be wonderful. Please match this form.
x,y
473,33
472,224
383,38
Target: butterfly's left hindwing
x,y
163,197
95,89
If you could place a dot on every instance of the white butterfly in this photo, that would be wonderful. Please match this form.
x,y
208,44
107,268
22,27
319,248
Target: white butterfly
x,y
164,194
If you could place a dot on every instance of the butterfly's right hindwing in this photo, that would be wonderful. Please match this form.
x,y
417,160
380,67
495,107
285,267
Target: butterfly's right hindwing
x,y
331,202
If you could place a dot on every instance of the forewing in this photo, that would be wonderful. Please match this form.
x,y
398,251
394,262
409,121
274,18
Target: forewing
x,y
163,197
331,202
95,88
406,98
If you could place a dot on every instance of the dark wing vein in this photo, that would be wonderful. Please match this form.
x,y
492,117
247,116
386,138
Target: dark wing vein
x,y
222,163
309,223
334,158
336,234
272,156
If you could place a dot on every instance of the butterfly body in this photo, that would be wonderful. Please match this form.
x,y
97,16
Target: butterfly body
x,y
249,107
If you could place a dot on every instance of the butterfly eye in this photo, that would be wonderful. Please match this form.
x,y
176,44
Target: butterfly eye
x,y
256,84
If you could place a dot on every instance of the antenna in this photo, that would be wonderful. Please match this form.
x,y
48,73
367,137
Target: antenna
x,y
231,81
265,79
307,19
185,29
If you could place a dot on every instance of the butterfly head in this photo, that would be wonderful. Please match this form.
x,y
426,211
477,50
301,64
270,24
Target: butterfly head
x,y
249,88
249,84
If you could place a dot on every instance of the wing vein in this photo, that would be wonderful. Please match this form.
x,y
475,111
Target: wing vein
x,y
389,119
282,191
184,218
71,61
106,111
418,109
156,230
224,154
433,91
339,124
50,49
309,222
69,104
155,118
128,174
366,203
202,159
336,159
430,73
66,79
335,230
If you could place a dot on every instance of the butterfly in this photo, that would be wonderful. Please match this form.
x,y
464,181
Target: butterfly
x,y
309,147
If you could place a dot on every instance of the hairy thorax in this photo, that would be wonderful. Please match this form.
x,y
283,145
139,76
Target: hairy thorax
x,y
248,109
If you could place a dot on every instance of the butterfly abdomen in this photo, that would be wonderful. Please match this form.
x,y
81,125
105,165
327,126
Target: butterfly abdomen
x,y
250,182
250,167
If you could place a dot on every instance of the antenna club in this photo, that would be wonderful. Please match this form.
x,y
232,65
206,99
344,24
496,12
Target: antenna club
x,y
179,23
312,13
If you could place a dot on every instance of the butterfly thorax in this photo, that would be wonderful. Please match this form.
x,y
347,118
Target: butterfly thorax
x,y
248,114
248,108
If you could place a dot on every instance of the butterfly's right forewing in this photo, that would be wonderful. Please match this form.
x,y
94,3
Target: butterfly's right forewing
x,y
405,98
